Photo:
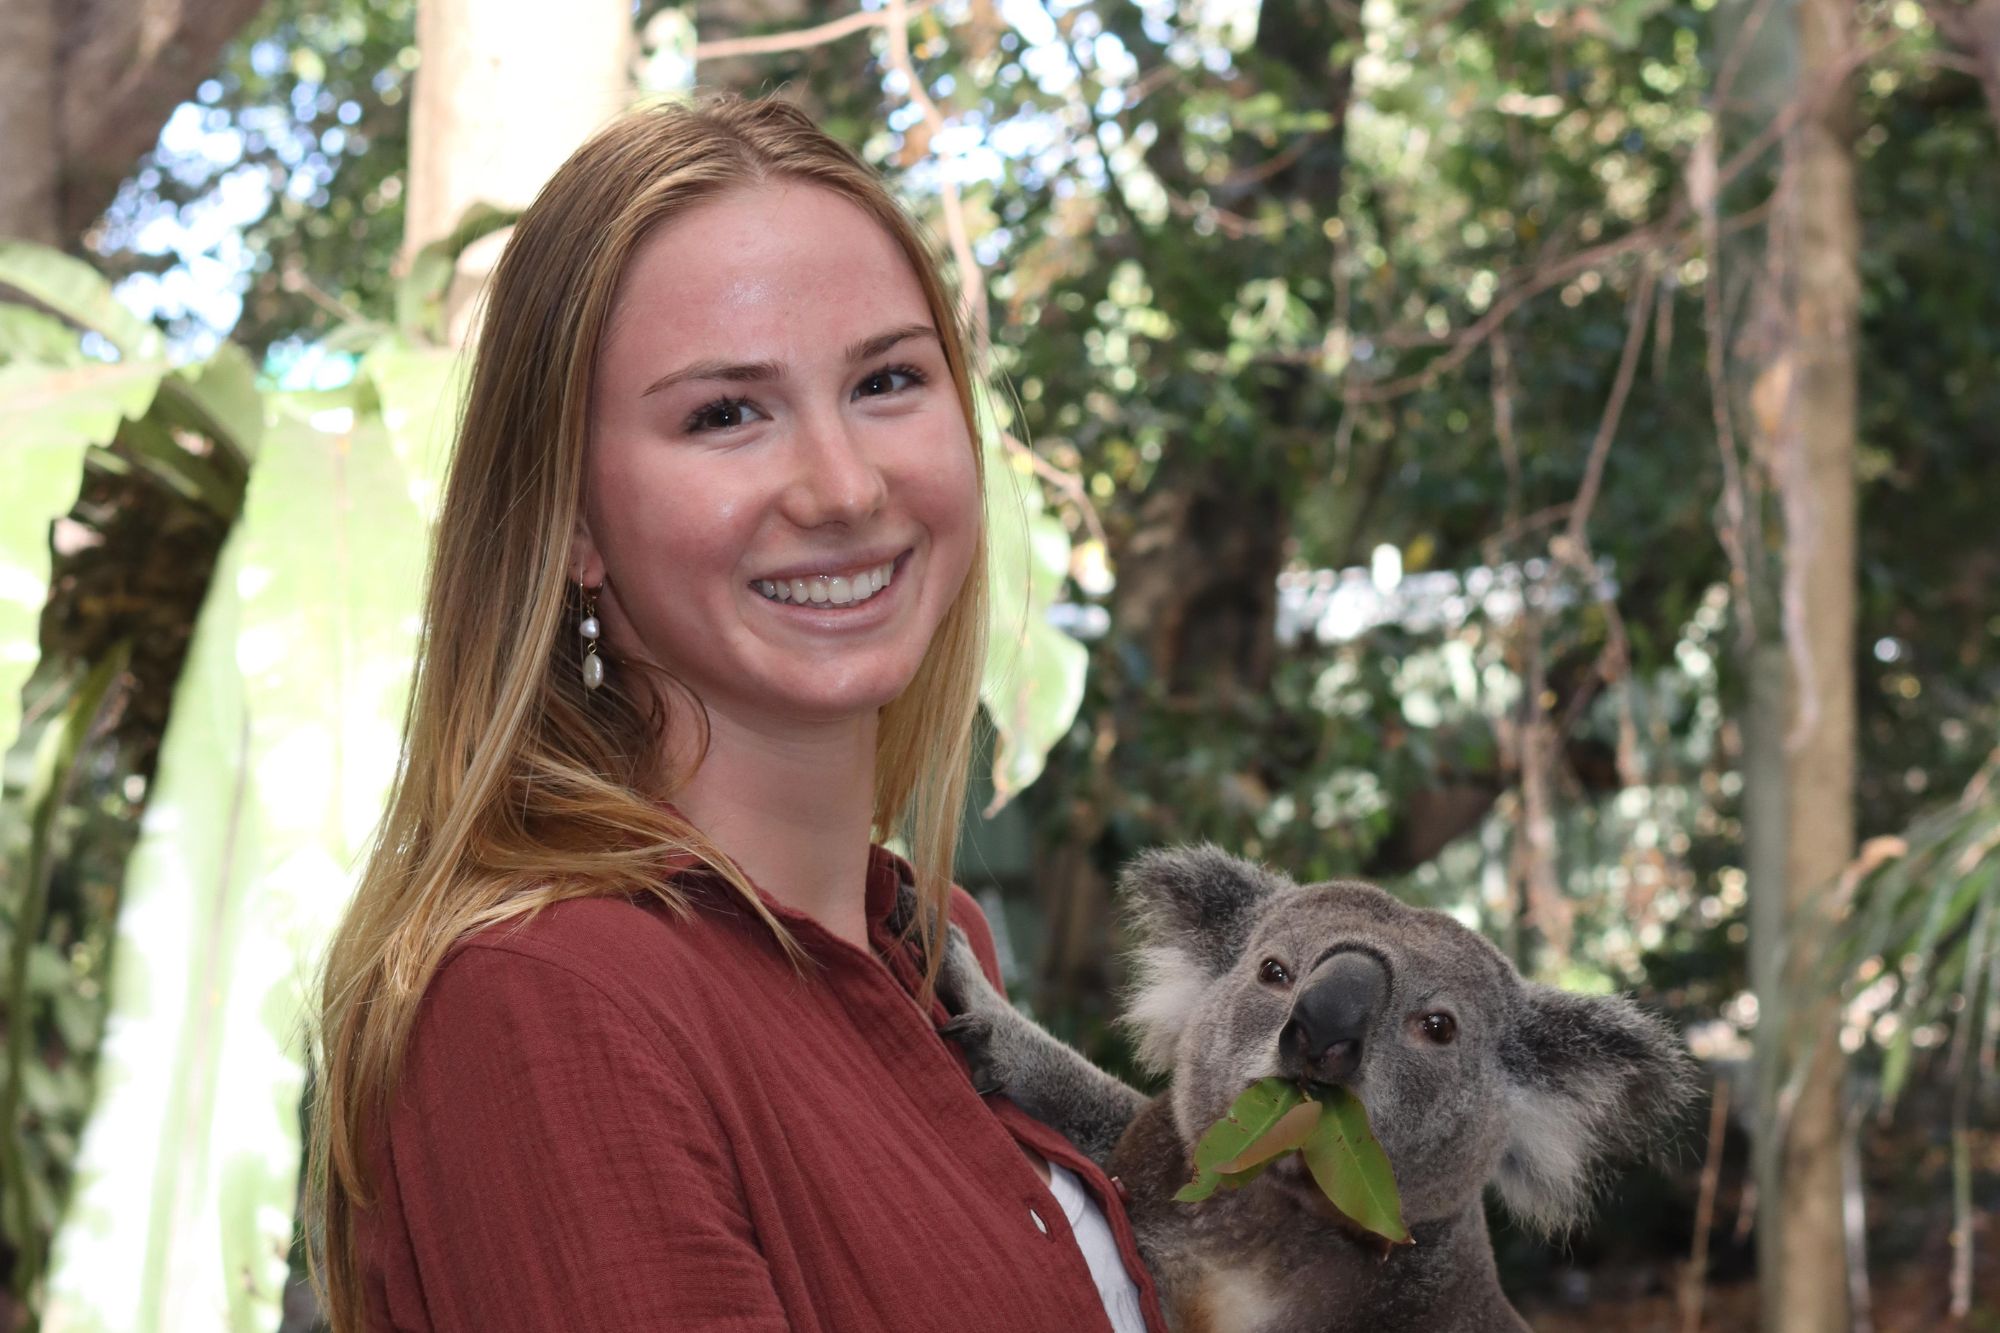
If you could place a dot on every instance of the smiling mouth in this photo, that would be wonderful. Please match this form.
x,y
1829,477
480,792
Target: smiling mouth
x,y
849,589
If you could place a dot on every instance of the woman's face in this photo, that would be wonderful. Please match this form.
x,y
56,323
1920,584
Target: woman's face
x,y
774,433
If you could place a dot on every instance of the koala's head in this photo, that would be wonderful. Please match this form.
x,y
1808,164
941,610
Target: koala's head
x,y
1469,1074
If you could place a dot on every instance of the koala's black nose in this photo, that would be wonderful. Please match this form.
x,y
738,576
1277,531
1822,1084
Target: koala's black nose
x,y
1331,1017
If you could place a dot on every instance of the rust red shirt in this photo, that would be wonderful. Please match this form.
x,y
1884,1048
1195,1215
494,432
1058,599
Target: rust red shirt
x,y
610,1119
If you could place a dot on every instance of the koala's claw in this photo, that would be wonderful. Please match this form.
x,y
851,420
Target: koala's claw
x,y
966,1029
971,1033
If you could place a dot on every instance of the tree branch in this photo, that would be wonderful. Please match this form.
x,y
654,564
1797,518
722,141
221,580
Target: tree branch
x,y
805,38
122,69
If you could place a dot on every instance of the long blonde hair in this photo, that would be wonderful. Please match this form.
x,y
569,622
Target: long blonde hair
x,y
514,792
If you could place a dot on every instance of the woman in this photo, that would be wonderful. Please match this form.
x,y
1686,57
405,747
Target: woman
x,y
621,1031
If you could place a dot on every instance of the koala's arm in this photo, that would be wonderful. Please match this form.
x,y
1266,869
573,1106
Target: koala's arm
x,y
1041,1074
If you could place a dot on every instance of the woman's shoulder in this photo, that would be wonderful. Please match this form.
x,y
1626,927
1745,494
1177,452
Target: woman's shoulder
x,y
629,950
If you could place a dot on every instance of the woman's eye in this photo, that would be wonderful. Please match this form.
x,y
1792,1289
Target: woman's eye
x,y
1273,972
722,414
889,379
1440,1028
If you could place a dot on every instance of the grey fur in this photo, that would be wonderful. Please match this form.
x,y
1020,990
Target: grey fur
x,y
1538,1091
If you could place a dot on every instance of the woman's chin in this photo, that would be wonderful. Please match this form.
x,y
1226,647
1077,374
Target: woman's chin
x,y
831,700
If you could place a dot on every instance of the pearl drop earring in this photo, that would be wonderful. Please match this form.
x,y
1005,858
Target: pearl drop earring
x,y
590,630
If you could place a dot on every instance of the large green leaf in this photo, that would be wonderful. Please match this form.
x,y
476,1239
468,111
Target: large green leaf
x,y
421,295
1033,682
282,743
76,291
219,398
49,417
420,389
26,334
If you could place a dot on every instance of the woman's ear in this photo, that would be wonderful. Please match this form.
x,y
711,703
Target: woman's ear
x,y
586,564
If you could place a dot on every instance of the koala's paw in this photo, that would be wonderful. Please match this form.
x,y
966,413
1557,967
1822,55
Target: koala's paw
x,y
973,1034
983,1024
961,982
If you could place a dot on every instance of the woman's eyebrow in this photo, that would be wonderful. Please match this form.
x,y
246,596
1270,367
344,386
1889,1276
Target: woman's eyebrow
x,y
741,372
882,342
749,372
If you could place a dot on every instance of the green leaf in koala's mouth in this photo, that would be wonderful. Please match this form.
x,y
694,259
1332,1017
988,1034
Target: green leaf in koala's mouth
x,y
1327,1126
1271,1118
1350,1168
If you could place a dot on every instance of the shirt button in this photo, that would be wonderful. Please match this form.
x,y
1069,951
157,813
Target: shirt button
x,y
1044,1226
1118,1188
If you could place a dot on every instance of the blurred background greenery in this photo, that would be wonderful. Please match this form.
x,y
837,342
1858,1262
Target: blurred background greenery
x,y
1431,426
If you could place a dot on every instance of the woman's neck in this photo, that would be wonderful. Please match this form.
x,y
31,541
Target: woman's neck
x,y
794,807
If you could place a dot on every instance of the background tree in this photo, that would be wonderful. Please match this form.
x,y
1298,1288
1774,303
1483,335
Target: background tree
x,y
86,89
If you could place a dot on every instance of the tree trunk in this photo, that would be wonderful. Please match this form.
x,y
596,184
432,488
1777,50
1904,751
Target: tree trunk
x,y
122,66
30,165
84,90
1803,672
505,92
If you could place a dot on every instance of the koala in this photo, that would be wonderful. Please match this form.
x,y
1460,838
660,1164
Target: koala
x,y
1470,1075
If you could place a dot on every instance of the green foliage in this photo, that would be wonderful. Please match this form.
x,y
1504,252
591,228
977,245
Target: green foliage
x,y
1034,677
420,297
1258,1127
49,417
1919,956
283,740
1349,1166
305,128
1327,1126
72,289
36,977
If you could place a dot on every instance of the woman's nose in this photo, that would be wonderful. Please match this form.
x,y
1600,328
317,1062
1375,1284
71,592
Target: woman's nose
x,y
835,477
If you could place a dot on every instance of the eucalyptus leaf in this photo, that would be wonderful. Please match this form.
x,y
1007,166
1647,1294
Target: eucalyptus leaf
x,y
1290,1132
1257,1112
1328,1126
1348,1164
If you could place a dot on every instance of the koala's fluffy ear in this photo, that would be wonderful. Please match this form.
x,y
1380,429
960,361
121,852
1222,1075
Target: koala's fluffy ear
x,y
1590,1078
1191,909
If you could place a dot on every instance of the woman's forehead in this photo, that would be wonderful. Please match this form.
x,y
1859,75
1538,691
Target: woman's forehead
x,y
781,270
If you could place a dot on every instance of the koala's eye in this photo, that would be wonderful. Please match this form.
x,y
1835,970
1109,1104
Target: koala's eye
x,y
1274,972
1440,1028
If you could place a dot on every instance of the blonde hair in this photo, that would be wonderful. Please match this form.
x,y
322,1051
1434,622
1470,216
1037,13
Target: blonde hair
x,y
514,791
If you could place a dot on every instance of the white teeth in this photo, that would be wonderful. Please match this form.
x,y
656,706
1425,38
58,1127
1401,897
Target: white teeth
x,y
824,590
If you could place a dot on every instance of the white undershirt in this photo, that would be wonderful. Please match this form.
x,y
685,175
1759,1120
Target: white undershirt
x,y
1100,1250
